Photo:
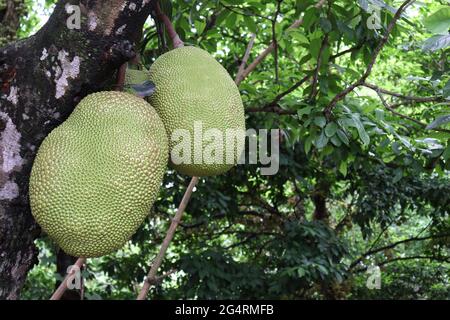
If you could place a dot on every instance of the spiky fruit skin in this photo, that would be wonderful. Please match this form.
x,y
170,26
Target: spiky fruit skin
x,y
133,76
192,86
96,176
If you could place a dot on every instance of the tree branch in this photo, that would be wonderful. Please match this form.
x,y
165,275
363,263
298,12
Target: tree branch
x,y
176,41
245,59
402,96
393,245
403,116
371,64
63,286
166,242
435,258
271,46
314,90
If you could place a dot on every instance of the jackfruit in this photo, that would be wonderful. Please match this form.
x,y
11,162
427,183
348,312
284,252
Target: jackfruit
x,y
134,76
96,176
194,91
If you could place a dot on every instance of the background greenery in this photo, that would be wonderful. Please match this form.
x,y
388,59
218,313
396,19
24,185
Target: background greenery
x,y
369,187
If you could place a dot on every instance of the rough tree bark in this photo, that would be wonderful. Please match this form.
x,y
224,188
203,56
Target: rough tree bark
x,y
42,78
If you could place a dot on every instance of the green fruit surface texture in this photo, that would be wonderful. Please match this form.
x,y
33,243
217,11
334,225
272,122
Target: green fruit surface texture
x,y
133,76
96,176
191,86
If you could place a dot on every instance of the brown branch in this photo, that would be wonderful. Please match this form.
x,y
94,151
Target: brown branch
x,y
275,41
372,62
271,109
63,286
305,78
210,23
166,242
314,90
344,52
403,116
176,41
402,96
271,46
443,259
291,89
245,59
233,9
121,77
393,245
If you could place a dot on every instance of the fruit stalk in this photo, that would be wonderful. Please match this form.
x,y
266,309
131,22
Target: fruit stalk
x,y
63,286
176,41
166,242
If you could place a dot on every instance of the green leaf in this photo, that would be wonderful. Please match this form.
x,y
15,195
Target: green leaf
x,y
398,175
439,122
336,141
330,129
446,90
343,168
320,121
436,43
321,141
308,143
379,114
439,22
303,111
446,154
199,26
361,131
251,25
309,17
341,134
314,47
297,35
325,24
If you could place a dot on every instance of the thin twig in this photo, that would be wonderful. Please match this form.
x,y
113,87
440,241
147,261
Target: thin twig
x,y
435,258
402,96
393,245
275,41
271,46
166,242
371,64
420,123
271,109
63,286
245,59
314,90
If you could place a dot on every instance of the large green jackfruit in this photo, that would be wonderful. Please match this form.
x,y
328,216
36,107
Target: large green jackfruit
x,y
96,176
193,88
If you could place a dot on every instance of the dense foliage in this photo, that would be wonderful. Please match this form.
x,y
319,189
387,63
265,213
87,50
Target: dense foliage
x,y
363,180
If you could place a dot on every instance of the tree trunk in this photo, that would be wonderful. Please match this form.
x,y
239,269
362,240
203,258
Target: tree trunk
x,y
42,79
